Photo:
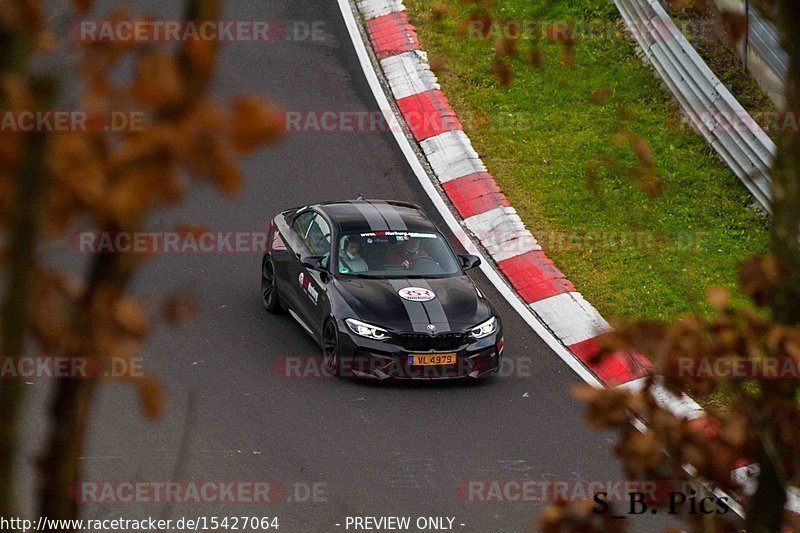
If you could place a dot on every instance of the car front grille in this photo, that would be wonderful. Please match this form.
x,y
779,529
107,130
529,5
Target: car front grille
x,y
423,342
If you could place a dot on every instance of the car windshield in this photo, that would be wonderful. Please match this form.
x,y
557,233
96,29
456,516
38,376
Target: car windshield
x,y
395,254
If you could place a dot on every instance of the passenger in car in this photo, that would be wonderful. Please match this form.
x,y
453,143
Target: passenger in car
x,y
350,256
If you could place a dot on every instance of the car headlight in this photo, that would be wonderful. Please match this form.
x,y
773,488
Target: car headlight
x,y
484,329
366,330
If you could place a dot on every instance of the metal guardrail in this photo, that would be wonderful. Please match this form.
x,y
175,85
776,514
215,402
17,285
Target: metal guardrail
x,y
710,107
763,37
761,50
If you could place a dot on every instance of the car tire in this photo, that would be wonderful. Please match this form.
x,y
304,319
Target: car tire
x,y
269,287
330,349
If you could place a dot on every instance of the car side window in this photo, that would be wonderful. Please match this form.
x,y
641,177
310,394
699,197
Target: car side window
x,y
302,223
318,237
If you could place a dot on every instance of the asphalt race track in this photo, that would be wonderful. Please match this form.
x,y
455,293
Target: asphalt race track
x,y
368,449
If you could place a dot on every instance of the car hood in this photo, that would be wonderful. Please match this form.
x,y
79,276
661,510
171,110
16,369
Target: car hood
x,y
456,305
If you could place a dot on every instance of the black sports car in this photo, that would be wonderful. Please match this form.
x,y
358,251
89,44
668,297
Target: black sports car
x,y
381,290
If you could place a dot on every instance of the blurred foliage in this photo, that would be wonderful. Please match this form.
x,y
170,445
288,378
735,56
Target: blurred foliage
x,y
107,180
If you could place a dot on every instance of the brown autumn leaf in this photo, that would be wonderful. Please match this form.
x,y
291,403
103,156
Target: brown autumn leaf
x,y
599,96
625,113
15,90
642,150
110,345
561,32
757,277
791,344
773,269
535,57
130,318
644,170
479,22
25,13
103,54
503,72
253,123
204,151
576,517
10,151
438,64
157,80
77,168
776,339
568,57
228,178
641,451
82,6
718,297
7,190
506,47
130,197
201,55
727,340
158,141
551,518
53,301
734,430
734,24
151,397
440,12
179,309
606,407
45,42
644,337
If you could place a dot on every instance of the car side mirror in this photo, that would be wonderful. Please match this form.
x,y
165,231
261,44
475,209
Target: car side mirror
x,y
314,262
469,261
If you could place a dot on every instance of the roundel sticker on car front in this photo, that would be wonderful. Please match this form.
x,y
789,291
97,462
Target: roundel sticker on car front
x,y
416,294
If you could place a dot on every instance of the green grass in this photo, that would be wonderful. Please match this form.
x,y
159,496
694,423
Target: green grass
x,y
541,135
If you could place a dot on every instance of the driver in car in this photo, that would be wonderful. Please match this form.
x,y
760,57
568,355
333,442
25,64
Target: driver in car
x,y
405,254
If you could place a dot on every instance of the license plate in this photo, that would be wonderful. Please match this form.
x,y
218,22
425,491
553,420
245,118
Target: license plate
x,y
434,359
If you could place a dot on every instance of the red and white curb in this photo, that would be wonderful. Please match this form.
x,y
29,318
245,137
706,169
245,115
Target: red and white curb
x,y
472,190
552,306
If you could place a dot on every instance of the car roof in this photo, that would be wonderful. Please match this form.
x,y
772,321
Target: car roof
x,y
376,215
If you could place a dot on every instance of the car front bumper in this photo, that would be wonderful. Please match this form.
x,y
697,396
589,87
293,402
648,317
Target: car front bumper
x,y
370,359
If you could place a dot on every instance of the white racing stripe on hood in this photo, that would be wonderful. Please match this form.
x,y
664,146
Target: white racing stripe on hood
x,y
434,308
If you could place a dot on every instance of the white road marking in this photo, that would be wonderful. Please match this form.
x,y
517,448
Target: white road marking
x,y
454,226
